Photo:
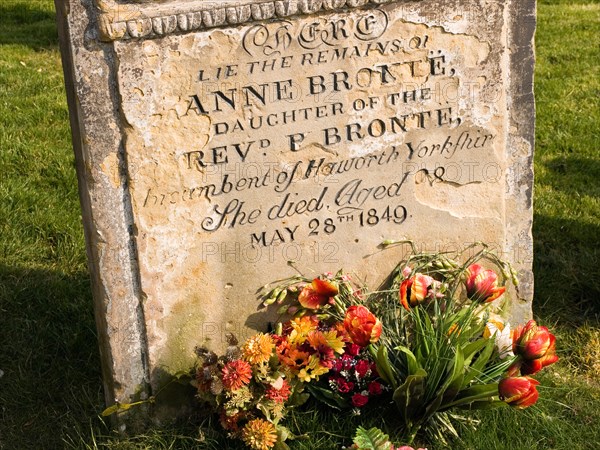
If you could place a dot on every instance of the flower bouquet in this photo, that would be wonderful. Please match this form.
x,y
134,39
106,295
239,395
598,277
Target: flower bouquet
x,y
448,347
429,345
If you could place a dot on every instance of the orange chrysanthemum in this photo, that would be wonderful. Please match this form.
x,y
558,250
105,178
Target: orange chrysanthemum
x,y
258,349
294,359
282,345
236,374
259,434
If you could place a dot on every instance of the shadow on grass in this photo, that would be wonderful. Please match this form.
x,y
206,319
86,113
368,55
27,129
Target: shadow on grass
x,y
29,24
577,175
567,268
51,383
567,247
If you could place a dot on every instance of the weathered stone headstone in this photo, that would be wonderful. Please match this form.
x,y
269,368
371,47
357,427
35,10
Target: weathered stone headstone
x,y
216,141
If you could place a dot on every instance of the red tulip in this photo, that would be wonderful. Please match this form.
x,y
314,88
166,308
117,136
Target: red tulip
x,y
482,285
533,366
317,293
414,290
550,357
362,326
536,346
533,341
519,392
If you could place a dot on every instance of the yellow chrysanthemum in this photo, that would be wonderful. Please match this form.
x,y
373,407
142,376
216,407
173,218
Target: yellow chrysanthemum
x,y
258,349
313,369
334,341
301,326
259,434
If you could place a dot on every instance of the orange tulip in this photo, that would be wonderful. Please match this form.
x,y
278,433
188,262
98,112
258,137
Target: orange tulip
x,y
317,293
362,326
414,290
519,392
482,285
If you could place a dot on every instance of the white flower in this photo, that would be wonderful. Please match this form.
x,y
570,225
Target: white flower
x,y
278,384
503,336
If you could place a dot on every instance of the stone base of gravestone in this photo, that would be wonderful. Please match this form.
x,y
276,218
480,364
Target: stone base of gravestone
x,y
216,141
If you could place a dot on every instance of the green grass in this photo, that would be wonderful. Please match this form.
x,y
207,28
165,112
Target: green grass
x,y
51,382
567,162
50,391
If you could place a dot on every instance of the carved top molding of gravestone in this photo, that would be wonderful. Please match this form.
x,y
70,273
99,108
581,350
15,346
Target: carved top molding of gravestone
x,y
140,19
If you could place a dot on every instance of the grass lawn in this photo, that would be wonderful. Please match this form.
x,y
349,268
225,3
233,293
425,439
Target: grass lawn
x,y
50,386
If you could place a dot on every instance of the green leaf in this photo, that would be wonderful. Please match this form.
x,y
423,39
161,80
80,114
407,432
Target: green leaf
x,y
284,433
411,360
181,374
479,390
408,396
472,329
479,364
116,408
328,397
182,377
372,439
298,399
433,406
471,348
452,386
110,410
265,410
382,362
453,389
457,369
473,394
492,403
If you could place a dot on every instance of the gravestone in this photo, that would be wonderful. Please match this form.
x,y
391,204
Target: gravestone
x,y
216,141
